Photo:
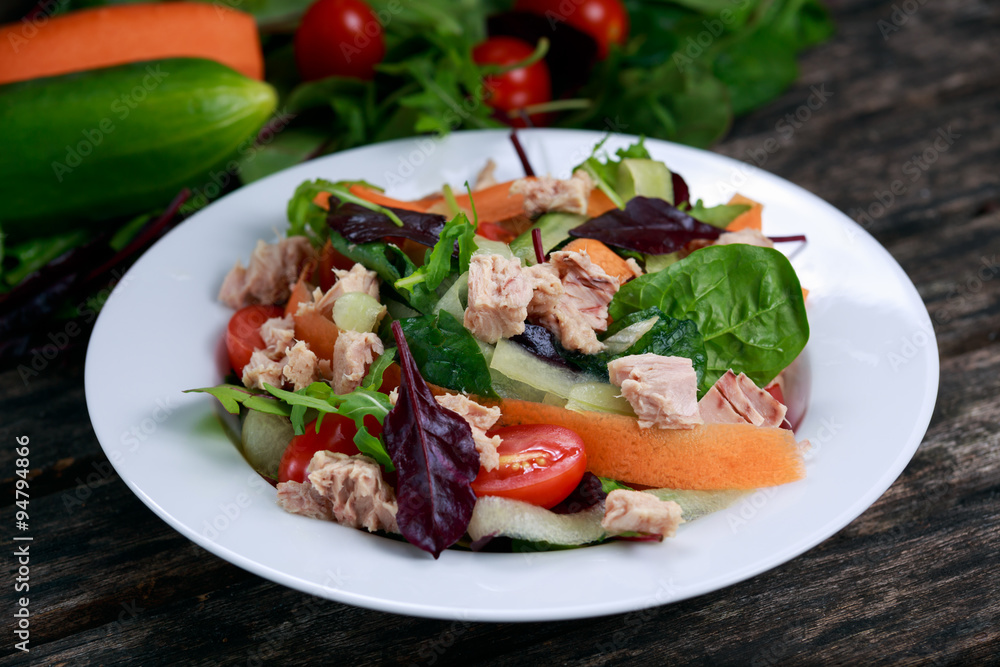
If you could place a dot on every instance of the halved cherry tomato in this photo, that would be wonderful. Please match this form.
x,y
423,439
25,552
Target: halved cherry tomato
x,y
776,393
604,20
339,38
540,464
518,88
330,259
243,333
336,434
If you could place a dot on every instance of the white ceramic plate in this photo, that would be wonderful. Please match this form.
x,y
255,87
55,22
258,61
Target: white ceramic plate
x,y
872,355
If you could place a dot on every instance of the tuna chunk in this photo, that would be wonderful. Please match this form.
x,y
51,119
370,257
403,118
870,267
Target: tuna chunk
x,y
303,498
261,370
499,294
358,279
353,353
301,367
486,177
737,400
273,269
546,288
580,307
663,391
480,419
638,512
544,193
354,487
747,236
278,334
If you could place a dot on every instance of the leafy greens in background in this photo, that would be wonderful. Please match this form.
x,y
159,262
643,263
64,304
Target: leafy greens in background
x,y
746,302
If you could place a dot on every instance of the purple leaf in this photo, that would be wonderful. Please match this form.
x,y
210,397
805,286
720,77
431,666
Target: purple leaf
x,y
586,494
358,224
647,225
540,342
433,450
681,193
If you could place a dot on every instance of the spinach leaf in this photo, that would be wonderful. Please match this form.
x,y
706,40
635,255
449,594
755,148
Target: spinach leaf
x,y
433,450
447,353
746,301
391,264
668,337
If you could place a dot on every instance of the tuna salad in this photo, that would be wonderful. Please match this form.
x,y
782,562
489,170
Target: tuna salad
x,y
538,363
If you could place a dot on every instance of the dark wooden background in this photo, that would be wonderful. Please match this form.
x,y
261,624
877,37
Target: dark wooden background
x,y
914,580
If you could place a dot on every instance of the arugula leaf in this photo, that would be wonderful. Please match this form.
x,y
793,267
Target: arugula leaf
x,y
356,405
439,265
718,216
745,300
433,449
448,354
232,396
668,337
608,485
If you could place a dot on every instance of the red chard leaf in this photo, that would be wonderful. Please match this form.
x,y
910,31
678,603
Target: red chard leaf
x,y
433,450
681,193
358,224
647,225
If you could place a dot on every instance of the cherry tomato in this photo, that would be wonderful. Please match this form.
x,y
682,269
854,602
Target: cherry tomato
x,y
540,464
243,333
776,393
336,434
517,88
339,38
604,20
330,259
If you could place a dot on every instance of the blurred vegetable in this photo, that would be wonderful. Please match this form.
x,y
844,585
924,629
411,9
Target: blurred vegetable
x,y
87,146
339,38
104,37
606,21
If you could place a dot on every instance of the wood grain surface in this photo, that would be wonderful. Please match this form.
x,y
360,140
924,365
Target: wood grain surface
x,y
914,580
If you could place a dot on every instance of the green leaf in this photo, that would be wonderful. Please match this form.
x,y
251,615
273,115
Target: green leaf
x,y
447,353
373,379
746,301
31,255
717,216
604,169
285,149
232,396
756,69
608,485
391,264
439,262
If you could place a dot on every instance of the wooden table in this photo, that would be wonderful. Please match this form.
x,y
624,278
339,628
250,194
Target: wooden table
x,y
913,580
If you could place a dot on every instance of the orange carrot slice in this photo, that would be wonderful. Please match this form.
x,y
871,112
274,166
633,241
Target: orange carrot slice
x,y
604,257
377,197
748,219
707,457
94,38
598,203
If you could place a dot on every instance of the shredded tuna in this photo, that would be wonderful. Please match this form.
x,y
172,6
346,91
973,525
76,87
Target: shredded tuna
x,y
638,512
737,400
499,294
633,267
303,498
663,391
358,279
579,306
544,193
747,236
353,353
301,367
546,288
486,177
480,419
273,269
354,487
278,334
261,370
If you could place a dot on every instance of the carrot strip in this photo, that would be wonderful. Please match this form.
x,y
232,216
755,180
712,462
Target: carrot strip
x,y
604,257
598,203
494,203
102,37
707,457
377,197
748,219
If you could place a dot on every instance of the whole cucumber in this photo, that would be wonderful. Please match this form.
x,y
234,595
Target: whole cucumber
x,y
87,146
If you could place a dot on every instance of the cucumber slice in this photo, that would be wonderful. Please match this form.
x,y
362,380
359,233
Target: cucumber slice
x,y
598,397
555,229
357,311
516,363
648,178
454,300
629,336
264,439
488,247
